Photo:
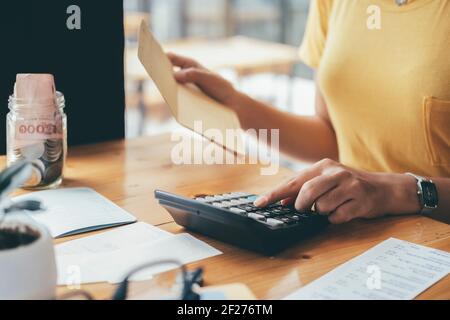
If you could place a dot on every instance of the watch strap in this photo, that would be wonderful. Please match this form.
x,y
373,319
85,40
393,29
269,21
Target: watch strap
x,y
426,210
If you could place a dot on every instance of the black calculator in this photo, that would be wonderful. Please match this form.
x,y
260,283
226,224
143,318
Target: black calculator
x,y
233,218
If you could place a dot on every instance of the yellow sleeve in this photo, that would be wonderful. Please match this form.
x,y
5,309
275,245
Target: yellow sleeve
x,y
316,33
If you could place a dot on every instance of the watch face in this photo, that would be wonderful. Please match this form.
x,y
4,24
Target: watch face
x,y
430,195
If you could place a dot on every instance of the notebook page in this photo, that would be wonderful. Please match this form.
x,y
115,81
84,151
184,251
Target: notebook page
x,y
76,210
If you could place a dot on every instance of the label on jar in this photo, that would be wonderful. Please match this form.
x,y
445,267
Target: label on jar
x,y
38,129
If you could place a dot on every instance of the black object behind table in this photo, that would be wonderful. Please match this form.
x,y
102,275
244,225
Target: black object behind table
x,y
87,62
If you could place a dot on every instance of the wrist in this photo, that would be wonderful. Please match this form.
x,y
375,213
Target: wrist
x,y
237,101
400,194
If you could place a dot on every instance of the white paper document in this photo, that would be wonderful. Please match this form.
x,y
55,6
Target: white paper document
x,y
77,210
392,270
108,256
113,240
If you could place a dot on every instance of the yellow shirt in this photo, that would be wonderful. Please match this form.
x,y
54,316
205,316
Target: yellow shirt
x,y
384,71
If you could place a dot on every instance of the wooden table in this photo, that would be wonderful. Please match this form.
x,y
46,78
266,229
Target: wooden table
x,y
127,172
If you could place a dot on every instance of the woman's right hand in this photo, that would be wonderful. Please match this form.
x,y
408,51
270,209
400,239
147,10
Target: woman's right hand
x,y
210,83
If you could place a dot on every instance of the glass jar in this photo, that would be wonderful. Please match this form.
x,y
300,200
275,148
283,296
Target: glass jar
x,y
37,132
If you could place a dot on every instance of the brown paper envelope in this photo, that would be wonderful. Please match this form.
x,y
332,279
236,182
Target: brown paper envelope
x,y
187,103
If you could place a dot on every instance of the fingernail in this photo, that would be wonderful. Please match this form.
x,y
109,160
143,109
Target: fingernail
x,y
261,202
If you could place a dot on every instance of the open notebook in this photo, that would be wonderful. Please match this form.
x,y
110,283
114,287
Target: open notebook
x,y
186,102
78,210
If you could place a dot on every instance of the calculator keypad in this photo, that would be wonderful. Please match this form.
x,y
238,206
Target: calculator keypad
x,y
241,203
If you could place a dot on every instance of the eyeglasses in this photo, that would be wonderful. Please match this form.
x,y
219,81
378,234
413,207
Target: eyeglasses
x,y
175,283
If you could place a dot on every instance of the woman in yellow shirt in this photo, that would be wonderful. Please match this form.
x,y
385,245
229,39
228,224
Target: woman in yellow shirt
x,y
383,109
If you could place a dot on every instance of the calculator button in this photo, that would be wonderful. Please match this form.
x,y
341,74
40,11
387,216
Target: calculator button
x,y
255,216
246,201
277,212
248,208
219,198
200,199
227,204
238,211
294,217
288,220
274,223
265,214
218,204
210,199
236,202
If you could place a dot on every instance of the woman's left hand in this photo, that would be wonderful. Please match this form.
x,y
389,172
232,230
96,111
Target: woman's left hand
x,y
345,194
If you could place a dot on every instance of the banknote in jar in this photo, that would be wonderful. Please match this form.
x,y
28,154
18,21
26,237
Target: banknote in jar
x,y
37,129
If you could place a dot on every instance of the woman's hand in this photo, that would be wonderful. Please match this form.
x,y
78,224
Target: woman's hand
x,y
345,194
210,83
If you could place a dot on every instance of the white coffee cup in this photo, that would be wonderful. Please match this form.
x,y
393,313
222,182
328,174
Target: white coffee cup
x,y
28,272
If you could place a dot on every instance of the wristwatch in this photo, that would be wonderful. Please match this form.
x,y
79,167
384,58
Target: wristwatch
x,y
427,193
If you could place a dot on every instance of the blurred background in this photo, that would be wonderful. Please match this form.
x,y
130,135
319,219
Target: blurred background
x,y
253,43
